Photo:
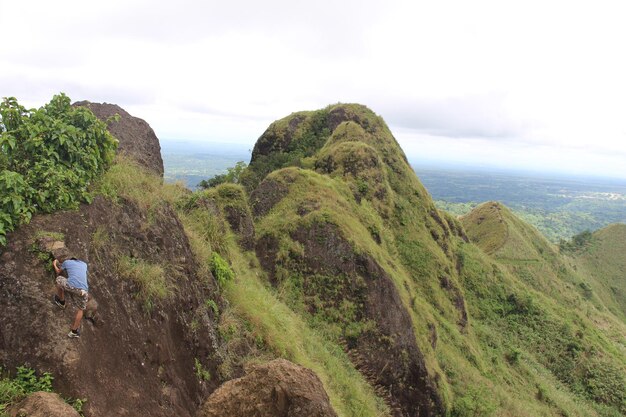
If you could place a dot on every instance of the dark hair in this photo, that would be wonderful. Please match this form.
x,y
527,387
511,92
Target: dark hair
x,y
61,254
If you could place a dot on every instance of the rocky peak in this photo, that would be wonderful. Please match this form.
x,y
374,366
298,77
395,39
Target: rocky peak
x,y
136,137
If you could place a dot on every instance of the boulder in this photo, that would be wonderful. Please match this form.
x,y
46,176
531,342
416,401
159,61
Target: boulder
x,y
42,404
276,389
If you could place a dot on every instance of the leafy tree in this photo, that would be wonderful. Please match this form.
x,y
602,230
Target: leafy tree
x,y
48,157
578,242
232,175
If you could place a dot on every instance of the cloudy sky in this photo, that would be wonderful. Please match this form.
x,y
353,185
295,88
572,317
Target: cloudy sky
x,y
536,85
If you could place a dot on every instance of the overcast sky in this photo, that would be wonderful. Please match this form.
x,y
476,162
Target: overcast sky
x,y
526,84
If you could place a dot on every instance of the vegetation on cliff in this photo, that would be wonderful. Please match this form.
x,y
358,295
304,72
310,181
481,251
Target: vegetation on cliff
x,y
48,158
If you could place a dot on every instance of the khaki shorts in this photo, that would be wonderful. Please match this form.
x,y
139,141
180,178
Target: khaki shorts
x,y
79,297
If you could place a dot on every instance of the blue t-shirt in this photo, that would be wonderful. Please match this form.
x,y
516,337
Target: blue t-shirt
x,y
76,273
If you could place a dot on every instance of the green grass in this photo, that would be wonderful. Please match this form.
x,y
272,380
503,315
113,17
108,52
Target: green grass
x,y
604,262
127,179
275,327
151,280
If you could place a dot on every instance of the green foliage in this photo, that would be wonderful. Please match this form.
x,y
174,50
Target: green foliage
x,y
577,242
15,209
25,382
232,175
307,139
605,383
475,402
28,380
48,157
220,269
213,306
202,373
77,404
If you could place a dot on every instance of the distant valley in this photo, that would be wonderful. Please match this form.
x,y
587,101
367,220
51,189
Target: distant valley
x,y
192,162
558,207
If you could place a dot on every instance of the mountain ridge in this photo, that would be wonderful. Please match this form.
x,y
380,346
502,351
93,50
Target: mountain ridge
x,y
331,254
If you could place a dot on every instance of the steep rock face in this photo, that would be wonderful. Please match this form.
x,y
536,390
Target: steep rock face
x,y
377,349
136,137
42,404
139,357
275,389
305,241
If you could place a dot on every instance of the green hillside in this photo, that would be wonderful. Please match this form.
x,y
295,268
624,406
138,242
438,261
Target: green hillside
x,y
603,260
330,253
499,322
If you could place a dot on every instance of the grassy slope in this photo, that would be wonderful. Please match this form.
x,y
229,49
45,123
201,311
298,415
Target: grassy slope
x,y
511,316
550,315
604,262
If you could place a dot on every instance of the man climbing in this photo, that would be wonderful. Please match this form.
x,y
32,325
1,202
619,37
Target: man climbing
x,y
75,285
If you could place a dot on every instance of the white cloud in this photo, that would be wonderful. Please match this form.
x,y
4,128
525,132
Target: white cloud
x,y
516,79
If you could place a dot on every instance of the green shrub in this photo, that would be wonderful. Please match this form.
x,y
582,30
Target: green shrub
x,y
220,269
604,383
48,157
579,241
25,382
202,373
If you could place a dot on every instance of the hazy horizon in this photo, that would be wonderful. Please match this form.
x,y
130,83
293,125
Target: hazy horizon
x,y
417,161
529,86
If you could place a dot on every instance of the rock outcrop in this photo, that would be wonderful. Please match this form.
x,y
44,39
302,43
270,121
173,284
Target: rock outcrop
x,y
136,137
141,353
275,389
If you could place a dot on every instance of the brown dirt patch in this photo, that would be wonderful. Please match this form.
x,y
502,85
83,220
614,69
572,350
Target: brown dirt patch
x,y
266,196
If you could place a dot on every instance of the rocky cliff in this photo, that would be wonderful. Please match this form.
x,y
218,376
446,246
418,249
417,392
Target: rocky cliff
x,y
136,137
